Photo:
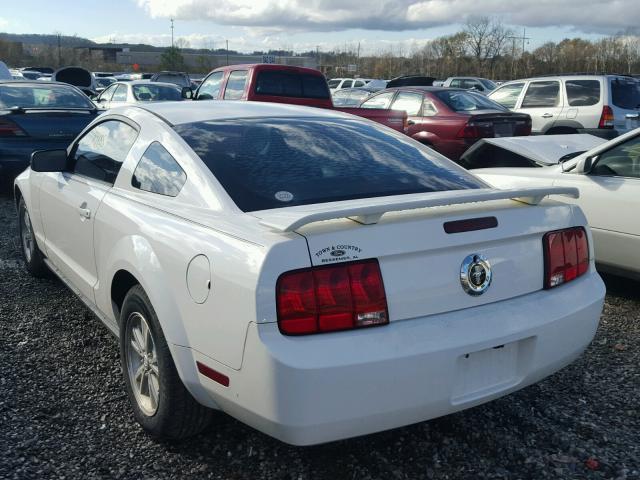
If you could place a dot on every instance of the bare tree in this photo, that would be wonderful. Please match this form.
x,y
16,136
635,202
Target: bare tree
x,y
485,39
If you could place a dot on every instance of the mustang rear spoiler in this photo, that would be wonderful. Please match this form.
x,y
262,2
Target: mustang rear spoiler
x,y
369,210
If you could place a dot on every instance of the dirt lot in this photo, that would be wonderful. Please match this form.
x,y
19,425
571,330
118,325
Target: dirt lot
x,y
63,413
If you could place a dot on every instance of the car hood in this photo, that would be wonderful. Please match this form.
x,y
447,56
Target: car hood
x,y
542,149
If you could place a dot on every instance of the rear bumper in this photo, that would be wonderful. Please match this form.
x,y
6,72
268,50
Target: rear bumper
x,y
606,133
309,390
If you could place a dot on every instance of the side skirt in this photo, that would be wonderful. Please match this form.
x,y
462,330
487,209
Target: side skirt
x,y
113,329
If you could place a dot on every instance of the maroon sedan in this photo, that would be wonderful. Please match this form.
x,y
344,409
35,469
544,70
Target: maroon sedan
x,y
450,120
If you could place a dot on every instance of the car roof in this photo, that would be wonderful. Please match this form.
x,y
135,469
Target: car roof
x,y
147,82
36,82
177,113
423,89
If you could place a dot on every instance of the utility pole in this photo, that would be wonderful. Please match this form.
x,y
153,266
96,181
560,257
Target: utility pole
x,y
318,57
59,51
524,39
227,53
358,60
172,33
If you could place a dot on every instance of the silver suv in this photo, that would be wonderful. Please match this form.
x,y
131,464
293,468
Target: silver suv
x,y
602,105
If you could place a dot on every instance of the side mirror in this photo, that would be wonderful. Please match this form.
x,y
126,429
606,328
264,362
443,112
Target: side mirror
x,y
100,99
187,93
49,161
588,163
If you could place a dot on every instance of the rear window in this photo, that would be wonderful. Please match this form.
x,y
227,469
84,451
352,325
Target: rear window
x,y
266,163
153,93
461,101
582,93
181,80
42,96
285,84
625,93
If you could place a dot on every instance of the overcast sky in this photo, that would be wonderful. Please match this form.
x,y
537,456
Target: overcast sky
x,y
302,25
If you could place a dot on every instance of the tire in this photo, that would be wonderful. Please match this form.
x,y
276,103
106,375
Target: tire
x,y
31,253
161,403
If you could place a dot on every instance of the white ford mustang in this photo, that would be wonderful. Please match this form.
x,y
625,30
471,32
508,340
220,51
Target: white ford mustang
x,y
313,274
608,177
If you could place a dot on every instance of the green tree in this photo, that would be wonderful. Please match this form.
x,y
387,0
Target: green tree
x,y
172,59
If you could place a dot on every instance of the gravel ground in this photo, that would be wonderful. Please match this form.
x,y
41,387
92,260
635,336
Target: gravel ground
x,y
63,412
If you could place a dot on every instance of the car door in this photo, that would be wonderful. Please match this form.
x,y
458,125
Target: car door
x,y
102,102
69,200
610,198
410,102
543,102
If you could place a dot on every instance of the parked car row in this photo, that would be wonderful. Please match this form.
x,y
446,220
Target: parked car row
x,y
313,230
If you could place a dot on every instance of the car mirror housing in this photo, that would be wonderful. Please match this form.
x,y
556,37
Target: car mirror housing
x,y
187,93
49,160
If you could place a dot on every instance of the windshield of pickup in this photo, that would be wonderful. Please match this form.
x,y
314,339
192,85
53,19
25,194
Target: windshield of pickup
x,y
266,163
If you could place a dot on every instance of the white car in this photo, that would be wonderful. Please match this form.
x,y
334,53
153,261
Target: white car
x,y
608,177
119,94
287,265
336,84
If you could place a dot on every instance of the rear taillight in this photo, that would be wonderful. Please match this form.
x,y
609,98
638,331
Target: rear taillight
x,y
470,130
606,118
566,256
331,298
10,129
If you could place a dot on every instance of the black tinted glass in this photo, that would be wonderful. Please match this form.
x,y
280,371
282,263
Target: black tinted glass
x,y
462,101
158,172
582,93
286,84
541,94
153,93
625,93
100,152
268,163
42,96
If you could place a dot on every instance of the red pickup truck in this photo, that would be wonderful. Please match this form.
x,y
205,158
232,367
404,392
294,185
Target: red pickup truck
x,y
284,84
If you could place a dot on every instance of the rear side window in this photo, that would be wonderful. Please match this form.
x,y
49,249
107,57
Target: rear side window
x,y
542,94
266,163
158,172
582,93
210,88
235,85
625,93
285,84
100,152
455,83
507,96
379,101
409,102
347,84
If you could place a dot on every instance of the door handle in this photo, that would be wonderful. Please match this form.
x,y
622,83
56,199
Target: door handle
x,y
84,212
547,115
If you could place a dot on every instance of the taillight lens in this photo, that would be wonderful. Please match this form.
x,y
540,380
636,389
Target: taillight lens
x,y
470,130
331,298
10,129
566,256
606,119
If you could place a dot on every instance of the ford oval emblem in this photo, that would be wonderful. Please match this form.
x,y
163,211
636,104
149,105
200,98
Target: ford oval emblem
x,y
475,274
337,253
